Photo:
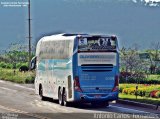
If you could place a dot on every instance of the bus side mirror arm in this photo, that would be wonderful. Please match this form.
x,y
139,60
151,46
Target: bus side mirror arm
x,y
33,63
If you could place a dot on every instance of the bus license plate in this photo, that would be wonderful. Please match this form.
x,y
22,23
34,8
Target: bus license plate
x,y
97,96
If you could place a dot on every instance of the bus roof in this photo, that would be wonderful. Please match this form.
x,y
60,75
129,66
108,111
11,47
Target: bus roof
x,y
66,36
57,37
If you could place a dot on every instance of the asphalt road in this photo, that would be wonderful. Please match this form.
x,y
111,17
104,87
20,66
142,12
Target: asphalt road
x,y
20,101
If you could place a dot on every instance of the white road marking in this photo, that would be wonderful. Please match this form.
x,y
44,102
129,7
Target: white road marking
x,y
17,85
1,81
55,106
66,110
8,89
23,87
23,112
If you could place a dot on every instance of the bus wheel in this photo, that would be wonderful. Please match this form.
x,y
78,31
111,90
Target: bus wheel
x,y
60,98
41,93
65,103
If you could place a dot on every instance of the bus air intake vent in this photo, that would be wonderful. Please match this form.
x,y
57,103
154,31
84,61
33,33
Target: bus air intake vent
x,y
97,67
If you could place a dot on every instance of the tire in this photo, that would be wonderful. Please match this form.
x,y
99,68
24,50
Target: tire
x,y
41,94
60,97
64,96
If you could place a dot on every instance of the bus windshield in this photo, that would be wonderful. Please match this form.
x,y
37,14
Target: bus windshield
x,y
96,44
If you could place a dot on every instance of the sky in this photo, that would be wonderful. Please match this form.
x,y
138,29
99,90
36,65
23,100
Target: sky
x,y
133,21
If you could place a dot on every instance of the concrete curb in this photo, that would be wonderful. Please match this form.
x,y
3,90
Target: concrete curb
x,y
144,105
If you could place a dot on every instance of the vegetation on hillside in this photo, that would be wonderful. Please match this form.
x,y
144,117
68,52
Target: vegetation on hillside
x,y
137,66
11,60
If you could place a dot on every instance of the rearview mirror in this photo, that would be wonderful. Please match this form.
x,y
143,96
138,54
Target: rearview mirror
x,y
33,63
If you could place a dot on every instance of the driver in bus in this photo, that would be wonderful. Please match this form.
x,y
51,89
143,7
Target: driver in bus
x,y
109,42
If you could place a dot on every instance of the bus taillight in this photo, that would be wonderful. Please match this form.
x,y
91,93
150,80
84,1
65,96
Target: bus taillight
x,y
77,84
116,84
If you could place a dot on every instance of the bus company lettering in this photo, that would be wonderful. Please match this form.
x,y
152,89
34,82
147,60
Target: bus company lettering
x,y
97,56
100,58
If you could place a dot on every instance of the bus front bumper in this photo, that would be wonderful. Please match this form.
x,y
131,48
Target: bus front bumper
x,y
91,97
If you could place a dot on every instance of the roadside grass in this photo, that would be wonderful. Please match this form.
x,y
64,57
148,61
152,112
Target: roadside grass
x,y
17,77
153,77
140,99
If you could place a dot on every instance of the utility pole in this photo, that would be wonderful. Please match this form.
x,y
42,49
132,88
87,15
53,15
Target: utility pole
x,y
29,32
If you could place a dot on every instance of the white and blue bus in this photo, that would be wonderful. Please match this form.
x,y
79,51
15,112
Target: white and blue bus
x,y
77,68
